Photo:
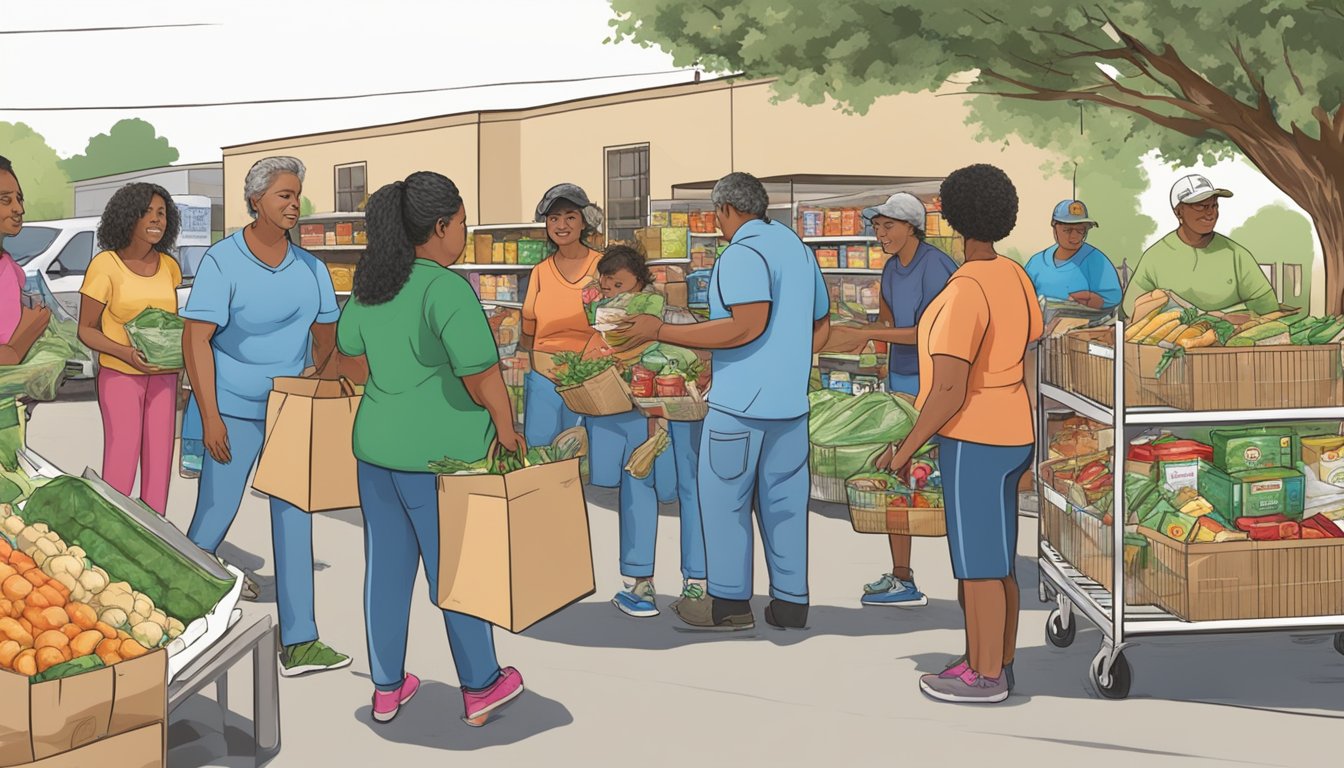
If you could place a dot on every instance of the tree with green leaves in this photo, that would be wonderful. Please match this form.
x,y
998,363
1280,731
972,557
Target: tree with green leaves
x,y
46,188
1192,80
130,145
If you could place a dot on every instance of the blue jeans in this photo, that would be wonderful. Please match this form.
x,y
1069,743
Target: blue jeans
x,y
545,415
401,526
744,460
612,440
221,491
903,383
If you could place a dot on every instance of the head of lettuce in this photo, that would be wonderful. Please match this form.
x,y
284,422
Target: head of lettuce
x,y
158,336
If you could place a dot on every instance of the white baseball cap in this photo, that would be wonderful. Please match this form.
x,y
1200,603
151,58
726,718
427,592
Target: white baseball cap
x,y
901,206
1194,189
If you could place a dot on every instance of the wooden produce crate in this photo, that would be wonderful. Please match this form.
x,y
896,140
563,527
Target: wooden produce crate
x,y
1055,370
1245,579
1091,360
603,395
1240,378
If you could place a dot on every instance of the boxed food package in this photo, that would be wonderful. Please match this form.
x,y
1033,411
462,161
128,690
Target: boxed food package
x,y
312,235
1143,456
497,252
1255,493
107,716
856,257
813,222
849,222
1325,455
828,258
697,285
345,233
511,252
833,224
482,246
673,242
531,251
877,258
660,219
361,235
651,240
1246,448
329,237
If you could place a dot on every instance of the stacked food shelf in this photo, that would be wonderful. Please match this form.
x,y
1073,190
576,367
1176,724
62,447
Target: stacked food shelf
x,y
338,239
1207,505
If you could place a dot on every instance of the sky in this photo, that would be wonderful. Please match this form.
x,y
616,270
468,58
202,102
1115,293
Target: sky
x,y
268,50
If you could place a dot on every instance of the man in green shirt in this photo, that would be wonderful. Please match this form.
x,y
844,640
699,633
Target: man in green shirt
x,y
1201,266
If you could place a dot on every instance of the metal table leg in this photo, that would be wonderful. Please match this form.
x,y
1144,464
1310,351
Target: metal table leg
x,y
266,698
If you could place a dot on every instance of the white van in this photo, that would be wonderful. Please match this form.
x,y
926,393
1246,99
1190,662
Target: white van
x,y
56,254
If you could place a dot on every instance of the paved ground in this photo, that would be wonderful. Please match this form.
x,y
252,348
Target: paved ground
x,y
608,690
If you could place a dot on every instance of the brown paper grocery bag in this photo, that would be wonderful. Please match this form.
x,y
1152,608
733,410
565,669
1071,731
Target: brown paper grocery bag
x,y
515,548
308,457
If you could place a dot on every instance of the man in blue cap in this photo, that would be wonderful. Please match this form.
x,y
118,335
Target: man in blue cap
x,y
1071,269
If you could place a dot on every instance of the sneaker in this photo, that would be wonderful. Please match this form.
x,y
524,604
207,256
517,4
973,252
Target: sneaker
x,y
967,688
785,615
957,666
893,592
386,704
316,656
638,601
479,704
712,614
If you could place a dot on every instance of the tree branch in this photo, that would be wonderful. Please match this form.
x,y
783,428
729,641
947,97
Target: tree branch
x,y
1190,127
1257,84
1296,80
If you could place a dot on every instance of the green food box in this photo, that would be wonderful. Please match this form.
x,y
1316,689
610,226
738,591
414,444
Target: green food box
x,y
1177,474
1247,448
1255,493
531,251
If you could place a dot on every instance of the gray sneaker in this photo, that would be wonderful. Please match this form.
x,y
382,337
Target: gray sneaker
x,y
964,661
705,613
966,688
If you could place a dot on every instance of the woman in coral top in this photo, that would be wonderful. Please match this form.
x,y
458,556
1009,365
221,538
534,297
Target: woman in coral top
x,y
554,319
19,325
133,273
973,400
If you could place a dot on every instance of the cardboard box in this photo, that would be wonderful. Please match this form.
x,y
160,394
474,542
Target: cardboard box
x,y
113,716
828,258
813,222
674,274
850,223
677,293
1255,493
330,237
1240,449
674,242
312,235
345,233
511,252
1177,474
833,224
497,252
679,220
856,257
531,251
660,219
877,258
651,240
1238,378
308,458
515,548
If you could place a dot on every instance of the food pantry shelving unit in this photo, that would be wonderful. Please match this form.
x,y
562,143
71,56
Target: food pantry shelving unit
x,y
1062,582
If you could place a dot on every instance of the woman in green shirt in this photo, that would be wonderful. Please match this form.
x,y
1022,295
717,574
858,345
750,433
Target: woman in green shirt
x,y
434,390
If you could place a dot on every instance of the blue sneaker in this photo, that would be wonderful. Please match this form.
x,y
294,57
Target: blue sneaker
x,y
637,601
893,592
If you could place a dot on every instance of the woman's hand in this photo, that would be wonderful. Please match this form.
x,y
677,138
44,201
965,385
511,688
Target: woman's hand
x,y
136,359
509,440
892,458
39,316
216,438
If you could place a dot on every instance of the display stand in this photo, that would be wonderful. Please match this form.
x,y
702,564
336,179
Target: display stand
x,y
1063,583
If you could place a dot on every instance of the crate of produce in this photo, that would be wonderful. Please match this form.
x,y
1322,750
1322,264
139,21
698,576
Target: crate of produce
x,y
1242,378
604,394
1245,579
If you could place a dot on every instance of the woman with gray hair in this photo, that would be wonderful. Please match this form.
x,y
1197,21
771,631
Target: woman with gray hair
x,y
256,300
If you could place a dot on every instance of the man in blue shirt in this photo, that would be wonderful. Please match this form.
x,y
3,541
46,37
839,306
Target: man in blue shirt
x,y
769,313
1071,269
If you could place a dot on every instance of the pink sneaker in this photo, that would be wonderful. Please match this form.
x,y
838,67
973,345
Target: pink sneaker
x,y
479,704
386,704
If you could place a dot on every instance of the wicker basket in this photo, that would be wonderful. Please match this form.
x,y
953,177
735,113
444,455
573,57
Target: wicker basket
x,y
693,407
869,512
603,395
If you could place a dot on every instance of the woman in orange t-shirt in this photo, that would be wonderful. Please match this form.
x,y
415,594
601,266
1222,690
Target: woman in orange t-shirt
x,y
972,341
554,319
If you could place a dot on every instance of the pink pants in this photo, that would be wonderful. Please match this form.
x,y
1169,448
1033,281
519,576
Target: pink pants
x,y
139,419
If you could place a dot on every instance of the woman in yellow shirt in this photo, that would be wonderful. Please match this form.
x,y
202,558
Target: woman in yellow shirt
x,y
138,401
554,319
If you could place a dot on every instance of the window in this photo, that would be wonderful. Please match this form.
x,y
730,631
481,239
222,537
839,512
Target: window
x,y
1271,274
1292,279
627,191
77,254
30,242
351,187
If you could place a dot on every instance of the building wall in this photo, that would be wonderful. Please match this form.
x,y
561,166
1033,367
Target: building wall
x,y
696,132
91,197
450,150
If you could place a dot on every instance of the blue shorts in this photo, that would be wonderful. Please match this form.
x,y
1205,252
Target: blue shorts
x,y
980,493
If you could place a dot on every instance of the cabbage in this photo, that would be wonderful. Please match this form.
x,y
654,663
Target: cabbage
x,y
158,336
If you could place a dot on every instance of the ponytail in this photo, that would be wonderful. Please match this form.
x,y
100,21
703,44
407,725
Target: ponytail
x,y
398,217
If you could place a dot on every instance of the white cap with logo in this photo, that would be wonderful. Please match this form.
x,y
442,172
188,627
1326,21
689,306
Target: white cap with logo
x,y
1194,189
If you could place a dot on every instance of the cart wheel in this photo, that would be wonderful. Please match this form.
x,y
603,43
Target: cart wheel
x,y
1339,642
1116,685
1059,635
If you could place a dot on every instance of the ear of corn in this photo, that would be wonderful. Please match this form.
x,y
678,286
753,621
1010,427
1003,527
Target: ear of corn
x,y
1136,327
1161,332
1175,333
641,460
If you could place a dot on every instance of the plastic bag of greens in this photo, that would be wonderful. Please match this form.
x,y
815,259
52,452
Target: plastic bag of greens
x,y
158,336
39,376
11,434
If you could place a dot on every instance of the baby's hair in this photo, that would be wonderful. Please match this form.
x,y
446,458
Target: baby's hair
x,y
618,257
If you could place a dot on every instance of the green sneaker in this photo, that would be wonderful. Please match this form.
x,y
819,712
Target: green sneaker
x,y
315,656
692,591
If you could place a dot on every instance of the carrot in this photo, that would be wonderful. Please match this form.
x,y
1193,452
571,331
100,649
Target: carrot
x,y
35,576
130,649
54,594
16,587
21,562
52,638
108,632
36,599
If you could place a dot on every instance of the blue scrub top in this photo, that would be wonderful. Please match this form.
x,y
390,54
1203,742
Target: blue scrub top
x,y
1088,270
